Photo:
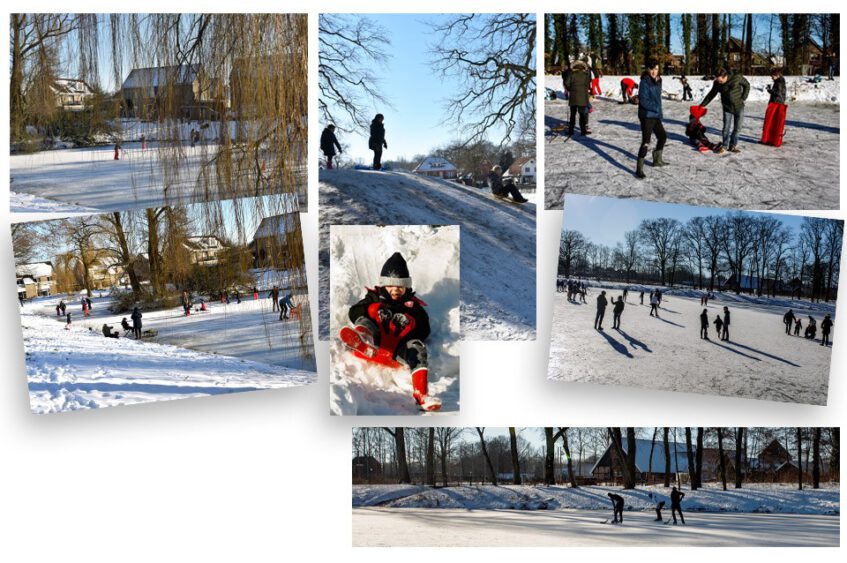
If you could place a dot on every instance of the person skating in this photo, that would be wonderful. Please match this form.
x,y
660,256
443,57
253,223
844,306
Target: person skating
x,y
773,128
704,324
826,327
696,131
686,88
329,142
625,294
788,321
628,88
376,142
136,322
601,310
578,85
734,89
617,507
285,306
676,504
617,310
650,117
654,303
718,325
725,332
641,297
659,506
392,317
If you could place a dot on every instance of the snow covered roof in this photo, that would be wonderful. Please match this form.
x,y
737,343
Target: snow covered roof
x,y
642,456
71,86
158,76
37,270
203,242
434,164
276,225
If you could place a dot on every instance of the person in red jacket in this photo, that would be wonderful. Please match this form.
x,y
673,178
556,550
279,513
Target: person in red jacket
x,y
696,131
628,87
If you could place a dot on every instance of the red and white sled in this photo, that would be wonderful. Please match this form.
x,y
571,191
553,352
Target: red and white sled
x,y
774,127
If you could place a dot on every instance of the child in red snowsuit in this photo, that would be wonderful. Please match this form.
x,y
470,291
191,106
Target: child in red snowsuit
x,y
696,131
628,86
391,317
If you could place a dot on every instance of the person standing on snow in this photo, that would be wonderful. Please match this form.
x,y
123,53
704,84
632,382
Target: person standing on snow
x,y
617,310
788,321
601,310
578,85
390,316
566,72
329,142
676,504
654,303
773,128
725,333
136,322
686,88
650,117
826,327
376,142
273,295
734,89
704,324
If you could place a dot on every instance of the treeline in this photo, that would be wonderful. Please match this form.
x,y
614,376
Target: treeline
x,y
621,43
445,456
716,252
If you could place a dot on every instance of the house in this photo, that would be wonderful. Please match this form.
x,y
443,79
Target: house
x,y
523,170
735,52
105,272
181,91
204,250
437,167
278,243
35,279
71,93
752,283
366,467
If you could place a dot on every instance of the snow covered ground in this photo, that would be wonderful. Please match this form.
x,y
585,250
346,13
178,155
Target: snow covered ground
x,y
497,242
80,369
91,178
357,254
459,527
229,348
752,498
802,174
758,362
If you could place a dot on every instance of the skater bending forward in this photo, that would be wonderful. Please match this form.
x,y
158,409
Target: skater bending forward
x,y
617,507
390,317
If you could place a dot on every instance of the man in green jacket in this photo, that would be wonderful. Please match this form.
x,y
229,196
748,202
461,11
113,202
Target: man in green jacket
x,y
734,89
578,85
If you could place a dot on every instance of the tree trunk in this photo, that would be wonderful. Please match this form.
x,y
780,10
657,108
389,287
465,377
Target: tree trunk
x,y
721,461
128,260
667,482
739,447
816,458
430,458
400,449
516,462
549,457
481,432
650,460
698,457
799,458
689,452
564,432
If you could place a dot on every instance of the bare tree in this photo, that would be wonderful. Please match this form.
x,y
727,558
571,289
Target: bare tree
x,y
721,460
626,459
564,433
516,462
739,449
816,457
491,472
493,58
400,451
799,438
665,432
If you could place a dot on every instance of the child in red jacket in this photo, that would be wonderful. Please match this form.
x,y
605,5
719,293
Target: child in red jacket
x,y
696,131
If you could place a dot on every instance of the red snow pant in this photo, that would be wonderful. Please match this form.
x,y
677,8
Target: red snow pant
x,y
595,87
774,127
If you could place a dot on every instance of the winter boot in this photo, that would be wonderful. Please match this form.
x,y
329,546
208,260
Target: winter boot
x,y
657,158
419,384
639,169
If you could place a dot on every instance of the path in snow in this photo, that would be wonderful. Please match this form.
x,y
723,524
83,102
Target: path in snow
x,y
92,178
759,361
79,369
497,242
357,387
802,174
450,527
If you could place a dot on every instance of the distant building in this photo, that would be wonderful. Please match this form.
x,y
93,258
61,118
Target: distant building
x,y
35,280
278,243
204,250
607,466
523,170
71,93
105,272
366,468
437,167
181,91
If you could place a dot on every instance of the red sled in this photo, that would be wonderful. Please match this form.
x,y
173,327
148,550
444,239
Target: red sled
x,y
368,352
774,127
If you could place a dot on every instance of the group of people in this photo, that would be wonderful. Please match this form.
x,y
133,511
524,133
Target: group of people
x,y
676,507
281,302
574,289
376,142
721,324
617,311
134,328
793,324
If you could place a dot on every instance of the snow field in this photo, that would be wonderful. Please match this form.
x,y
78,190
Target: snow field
x,y
357,254
497,242
758,362
802,174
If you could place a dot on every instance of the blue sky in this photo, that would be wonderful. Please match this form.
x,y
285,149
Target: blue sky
x,y
604,220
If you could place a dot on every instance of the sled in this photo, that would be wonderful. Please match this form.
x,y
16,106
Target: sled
x,y
559,128
774,126
365,351
507,199
150,333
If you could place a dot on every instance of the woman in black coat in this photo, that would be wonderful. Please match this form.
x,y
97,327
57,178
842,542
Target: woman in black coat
x,y
329,142
650,117
376,142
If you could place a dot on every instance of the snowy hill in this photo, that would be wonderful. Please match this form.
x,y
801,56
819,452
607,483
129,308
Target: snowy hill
x,y
81,369
758,498
497,242
432,254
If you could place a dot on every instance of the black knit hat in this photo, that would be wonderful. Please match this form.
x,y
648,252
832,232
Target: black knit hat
x,y
395,272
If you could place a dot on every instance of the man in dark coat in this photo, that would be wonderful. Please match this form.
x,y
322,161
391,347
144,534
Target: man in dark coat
x,y
601,310
578,85
617,507
788,320
617,310
136,322
725,333
704,324
676,504
376,142
273,295
734,89
329,143
826,327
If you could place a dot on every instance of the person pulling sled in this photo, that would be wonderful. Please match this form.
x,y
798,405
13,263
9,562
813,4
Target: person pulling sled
x,y
390,326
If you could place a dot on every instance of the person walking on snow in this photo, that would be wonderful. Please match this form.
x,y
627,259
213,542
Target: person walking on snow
x,y
329,142
617,310
578,85
797,326
826,327
392,317
601,310
654,303
186,303
788,321
617,507
376,142
719,325
773,128
704,324
650,117
676,504
725,333
734,89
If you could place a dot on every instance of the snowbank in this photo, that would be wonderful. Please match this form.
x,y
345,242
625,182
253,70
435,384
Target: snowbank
x,y
497,242
357,254
753,498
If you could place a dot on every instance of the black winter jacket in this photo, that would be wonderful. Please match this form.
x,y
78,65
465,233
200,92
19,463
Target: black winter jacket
x,y
733,93
778,91
329,142
377,138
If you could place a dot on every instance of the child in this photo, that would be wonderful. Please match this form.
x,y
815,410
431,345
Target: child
x,y
696,131
773,128
391,317
719,325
